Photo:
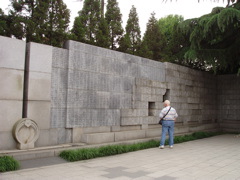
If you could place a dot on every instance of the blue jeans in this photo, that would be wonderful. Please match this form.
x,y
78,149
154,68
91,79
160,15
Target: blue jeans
x,y
167,126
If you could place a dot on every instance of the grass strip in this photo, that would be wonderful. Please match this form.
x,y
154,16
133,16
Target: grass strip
x,y
90,153
8,163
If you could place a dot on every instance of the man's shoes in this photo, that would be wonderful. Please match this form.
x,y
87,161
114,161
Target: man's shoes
x,y
171,147
161,147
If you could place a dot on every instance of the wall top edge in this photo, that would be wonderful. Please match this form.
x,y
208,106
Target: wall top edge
x,y
12,39
76,47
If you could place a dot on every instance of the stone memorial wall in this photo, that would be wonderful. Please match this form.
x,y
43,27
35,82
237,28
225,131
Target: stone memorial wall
x,y
83,93
12,61
229,102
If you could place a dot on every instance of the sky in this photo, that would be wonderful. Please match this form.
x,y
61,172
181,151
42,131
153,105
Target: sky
x,y
187,8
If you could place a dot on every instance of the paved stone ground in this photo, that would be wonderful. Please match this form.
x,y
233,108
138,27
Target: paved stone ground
x,y
206,159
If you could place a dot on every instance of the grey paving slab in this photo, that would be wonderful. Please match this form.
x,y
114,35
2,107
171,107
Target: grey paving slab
x,y
34,163
215,158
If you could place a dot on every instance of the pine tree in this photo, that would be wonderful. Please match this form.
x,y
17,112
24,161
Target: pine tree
x,y
133,32
102,8
125,44
4,24
87,23
152,40
42,21
58,22
24,17
102,36
78,30
113,17
35,14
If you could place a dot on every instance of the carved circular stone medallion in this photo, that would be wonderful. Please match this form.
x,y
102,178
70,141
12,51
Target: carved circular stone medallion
x,y
25,132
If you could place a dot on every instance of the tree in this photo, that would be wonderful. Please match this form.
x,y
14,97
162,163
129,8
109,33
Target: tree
x,y
102,37
58,22
42,21
125,44
133,33
152,40
87,23
102,8
4,30
215,40
174,41
33,15
114,21
78,30
228,1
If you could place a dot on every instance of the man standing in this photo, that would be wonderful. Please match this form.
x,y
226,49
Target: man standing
x,y
168,123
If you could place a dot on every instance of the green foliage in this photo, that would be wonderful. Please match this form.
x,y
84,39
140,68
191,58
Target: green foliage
x,y
89,153
42,21
3,23
88,21
125,44
152,40
131,42
78,32
113,17
102,36
209,43
214,40
57,24
8,163
173,44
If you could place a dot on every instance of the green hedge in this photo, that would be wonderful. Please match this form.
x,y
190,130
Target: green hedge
x,y
90,153
8,163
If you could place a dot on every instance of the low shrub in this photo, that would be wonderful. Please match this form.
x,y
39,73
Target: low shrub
x,y
8,163
89,153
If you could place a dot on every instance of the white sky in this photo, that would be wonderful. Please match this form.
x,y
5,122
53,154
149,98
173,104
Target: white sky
x,y
187,8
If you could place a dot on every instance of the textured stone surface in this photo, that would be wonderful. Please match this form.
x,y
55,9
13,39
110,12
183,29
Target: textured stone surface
x,y
98,138
229,102
12,59
47,137
39,111
26,132
39,86
101,82
128,135
40,57
11,83
12,53
192,93
85,89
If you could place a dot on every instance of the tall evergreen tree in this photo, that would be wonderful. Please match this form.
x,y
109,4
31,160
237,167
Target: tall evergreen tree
x,y
125,44
102,36
87,23
133,33
4,29
33,15
114,19
58,23
152,40
78,30
102,8
42,21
